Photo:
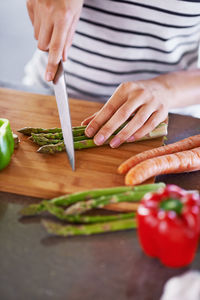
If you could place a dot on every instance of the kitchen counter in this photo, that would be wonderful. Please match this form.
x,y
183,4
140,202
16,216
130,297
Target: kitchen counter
x,y
35,265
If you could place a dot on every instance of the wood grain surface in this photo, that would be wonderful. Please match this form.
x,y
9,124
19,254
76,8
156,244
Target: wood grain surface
x,y
46,176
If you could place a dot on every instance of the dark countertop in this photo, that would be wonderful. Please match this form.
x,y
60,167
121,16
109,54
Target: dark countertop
x,y
35,265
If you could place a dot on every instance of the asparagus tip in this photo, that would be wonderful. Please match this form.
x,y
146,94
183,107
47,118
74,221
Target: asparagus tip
x,y
29,210
51,227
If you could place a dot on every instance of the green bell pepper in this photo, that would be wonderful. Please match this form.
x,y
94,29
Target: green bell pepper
x,y
6,143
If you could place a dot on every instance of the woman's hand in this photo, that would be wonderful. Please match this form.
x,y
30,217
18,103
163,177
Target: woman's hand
x,y
148,100
54,23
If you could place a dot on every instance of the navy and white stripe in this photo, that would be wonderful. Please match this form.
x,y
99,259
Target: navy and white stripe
x,y
118,41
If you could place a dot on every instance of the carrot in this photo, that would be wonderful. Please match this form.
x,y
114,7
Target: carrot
x,y
122,206
186,144
185,161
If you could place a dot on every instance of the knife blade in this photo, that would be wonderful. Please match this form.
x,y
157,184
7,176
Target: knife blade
x,y
60,90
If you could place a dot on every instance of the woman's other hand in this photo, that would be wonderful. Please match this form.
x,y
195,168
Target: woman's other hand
x,y
54,23
148,100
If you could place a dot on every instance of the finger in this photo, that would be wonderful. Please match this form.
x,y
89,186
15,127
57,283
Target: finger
x,y
113,104
87,120
37,20
121,115
45,34
155,119
138,121
30,9
56,48
69,39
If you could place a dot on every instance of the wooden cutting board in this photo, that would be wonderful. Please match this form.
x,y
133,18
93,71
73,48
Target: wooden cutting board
x,y
46,176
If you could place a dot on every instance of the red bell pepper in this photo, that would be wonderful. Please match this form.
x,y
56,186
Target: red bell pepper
x,y
169,225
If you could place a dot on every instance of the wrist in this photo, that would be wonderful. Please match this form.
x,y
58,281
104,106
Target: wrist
x,y
183,87
169,88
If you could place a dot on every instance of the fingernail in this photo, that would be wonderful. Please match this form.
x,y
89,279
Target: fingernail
x,y
90,131
99,139
131,139
49,76
115,142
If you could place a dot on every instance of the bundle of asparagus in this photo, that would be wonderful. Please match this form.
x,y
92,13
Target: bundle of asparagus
x,y
71,207
51,140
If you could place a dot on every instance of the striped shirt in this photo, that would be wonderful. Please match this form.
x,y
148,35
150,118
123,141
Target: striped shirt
x,y
118,41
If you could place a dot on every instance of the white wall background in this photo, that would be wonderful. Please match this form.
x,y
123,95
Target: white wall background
x,y
16,40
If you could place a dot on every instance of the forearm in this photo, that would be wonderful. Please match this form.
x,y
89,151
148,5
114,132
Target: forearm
x,y
184,87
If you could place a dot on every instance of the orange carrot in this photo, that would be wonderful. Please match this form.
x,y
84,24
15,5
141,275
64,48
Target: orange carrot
x,y
122,206
185,161
186,144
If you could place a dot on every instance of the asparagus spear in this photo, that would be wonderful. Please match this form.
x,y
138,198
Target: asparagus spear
x,y
67,200
91,194
58,136
84,144
80,138
50,136
77,131
43,140
29,130
81,207
52,148
59,147
59,212
70,230
33,209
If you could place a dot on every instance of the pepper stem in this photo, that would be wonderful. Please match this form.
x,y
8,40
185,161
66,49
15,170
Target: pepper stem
x,y
172,204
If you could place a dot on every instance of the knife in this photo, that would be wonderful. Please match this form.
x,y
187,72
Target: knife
x,y
60,90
